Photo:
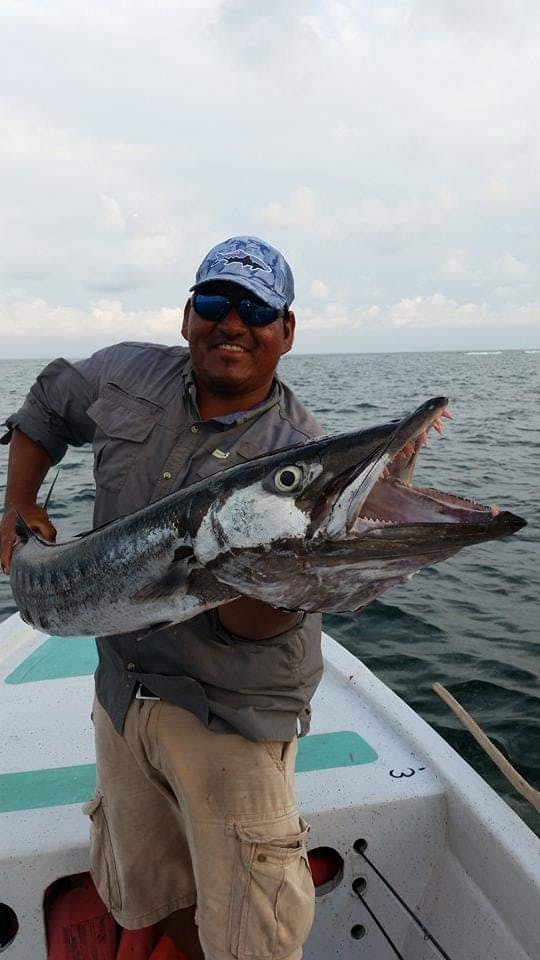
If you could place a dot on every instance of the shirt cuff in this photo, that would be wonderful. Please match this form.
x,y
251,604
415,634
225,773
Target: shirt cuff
x,y
36,431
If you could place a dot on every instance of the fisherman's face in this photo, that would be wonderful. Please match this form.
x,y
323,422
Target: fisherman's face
x,y
249,368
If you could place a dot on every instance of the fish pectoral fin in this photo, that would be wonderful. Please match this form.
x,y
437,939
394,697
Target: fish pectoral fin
x,y
174,580
186,579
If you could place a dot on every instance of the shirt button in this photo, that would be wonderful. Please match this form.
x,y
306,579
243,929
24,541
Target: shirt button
x,y
261,858
167,475
194,428
131,665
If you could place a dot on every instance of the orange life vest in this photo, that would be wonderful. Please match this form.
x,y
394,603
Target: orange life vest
x,y
79,927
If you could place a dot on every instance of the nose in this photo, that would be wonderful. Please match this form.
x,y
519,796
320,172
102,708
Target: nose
x,y
233,323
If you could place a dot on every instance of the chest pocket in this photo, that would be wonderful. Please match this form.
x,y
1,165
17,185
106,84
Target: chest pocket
x,y
124,424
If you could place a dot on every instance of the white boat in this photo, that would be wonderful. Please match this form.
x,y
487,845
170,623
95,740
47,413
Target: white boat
x,y
427,860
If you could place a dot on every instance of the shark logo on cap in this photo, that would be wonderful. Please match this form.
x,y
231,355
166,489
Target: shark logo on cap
x,y
248,262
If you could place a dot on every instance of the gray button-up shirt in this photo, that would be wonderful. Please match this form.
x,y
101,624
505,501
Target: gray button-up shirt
x,y
136,403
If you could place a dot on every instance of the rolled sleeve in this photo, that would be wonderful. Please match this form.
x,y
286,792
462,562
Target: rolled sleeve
x,y
33,421
54,412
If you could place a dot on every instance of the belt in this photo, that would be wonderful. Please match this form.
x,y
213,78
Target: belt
x,y
143,693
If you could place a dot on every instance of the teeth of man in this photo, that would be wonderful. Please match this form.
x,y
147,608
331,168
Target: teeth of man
x,y
231,346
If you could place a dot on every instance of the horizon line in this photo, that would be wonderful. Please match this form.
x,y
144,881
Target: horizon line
x,y
338,353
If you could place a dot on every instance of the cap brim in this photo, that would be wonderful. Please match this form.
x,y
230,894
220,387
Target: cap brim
x,y
259,289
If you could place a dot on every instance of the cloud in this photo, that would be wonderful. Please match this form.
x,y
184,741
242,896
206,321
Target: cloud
x,y
27,318
440,311
319,290
483,19
30,326
389,226
297,211
113,213
261,34
510,268
457,268
332,316
499,190
436,310
337,315
126,237
391,149
419,313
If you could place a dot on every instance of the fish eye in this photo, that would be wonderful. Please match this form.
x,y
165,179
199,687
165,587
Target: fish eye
x,y
288,479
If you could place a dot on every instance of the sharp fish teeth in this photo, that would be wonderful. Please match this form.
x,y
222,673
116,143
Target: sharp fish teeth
x,y
377,521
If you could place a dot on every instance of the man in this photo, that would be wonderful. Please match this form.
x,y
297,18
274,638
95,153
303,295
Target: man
x,y
194,821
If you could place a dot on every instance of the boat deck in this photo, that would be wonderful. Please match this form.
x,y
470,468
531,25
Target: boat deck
x,y
375,782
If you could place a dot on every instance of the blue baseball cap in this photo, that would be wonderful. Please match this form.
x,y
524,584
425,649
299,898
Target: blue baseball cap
x,y
253,264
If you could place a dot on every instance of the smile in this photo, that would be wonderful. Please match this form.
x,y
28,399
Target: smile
x,y
231,347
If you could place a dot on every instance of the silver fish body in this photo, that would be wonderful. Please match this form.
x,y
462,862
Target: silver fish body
x,y
326,526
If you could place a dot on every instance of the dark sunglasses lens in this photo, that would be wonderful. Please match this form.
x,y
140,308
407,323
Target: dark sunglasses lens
x,y
211,306
256,315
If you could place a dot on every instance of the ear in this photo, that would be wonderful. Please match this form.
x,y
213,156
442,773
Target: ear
x,y
185,321
289,324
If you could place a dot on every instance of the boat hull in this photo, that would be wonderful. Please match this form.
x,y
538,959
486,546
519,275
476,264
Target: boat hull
x,y
420,840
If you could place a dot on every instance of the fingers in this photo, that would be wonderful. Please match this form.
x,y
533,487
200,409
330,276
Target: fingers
x,y
37,520
45,529
7,550
438,424
404,458
7,542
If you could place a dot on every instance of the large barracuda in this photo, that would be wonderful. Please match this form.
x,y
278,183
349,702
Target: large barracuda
x,y
326,526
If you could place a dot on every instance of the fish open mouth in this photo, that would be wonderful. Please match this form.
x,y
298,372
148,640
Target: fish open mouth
x,y
393,501
380,496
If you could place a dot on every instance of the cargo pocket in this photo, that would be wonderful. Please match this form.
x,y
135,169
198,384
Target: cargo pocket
x,y
102,863
272,903
124,423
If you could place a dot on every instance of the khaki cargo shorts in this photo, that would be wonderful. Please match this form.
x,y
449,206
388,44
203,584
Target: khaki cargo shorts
x,y
183,815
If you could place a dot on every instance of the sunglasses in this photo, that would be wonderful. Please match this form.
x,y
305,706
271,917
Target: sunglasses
x,y
216,306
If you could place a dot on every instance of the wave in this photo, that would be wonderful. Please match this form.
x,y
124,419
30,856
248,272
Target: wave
x,y
482,353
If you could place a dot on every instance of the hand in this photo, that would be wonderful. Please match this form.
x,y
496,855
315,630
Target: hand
x,y
405,458
35,517
252,619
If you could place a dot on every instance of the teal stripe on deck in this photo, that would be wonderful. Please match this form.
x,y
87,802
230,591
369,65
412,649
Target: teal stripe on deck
x,y
47,788
326,751
33,789
56,659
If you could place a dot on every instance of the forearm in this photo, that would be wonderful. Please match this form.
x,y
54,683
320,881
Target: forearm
x,y
254,620
28,466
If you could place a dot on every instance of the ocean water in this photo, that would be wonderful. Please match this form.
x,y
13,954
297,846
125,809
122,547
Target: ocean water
x,y
472,622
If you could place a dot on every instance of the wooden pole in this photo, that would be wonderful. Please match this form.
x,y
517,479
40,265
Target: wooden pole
x,y
506,768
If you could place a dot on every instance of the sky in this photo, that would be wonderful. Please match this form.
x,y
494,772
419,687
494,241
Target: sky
x,y
390,149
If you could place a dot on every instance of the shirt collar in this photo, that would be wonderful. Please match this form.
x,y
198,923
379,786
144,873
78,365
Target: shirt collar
x,y
228,419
